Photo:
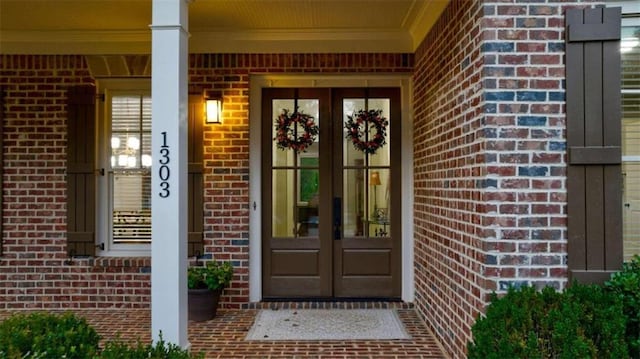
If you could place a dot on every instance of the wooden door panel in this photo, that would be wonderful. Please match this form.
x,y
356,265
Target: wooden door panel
x,y
295,263
294,287
366,287
369,262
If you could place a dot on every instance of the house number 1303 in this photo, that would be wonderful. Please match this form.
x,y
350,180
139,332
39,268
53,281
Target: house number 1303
x,y
163,171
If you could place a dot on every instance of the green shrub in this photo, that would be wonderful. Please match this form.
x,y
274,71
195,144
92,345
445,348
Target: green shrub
x,y
589,321
159,350
53,336
42,335
512,326
581,322
626,284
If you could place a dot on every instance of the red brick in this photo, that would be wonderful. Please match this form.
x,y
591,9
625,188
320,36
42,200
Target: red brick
x,y
547,59
531,71
531,47
512,35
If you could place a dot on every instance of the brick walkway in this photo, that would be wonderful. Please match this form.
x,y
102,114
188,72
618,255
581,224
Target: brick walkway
x,y
223,337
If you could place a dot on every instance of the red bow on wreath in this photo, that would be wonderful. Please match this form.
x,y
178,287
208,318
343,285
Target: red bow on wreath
x,y
367,140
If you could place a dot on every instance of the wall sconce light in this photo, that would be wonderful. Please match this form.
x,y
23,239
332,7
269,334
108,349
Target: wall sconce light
x,y
213,110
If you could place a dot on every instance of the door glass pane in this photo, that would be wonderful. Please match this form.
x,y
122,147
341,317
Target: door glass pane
x,y
354,195
366,176
381,157
379,201
349,108
351,154
370,189
280,157
308,200
295,202
283,203
296,176
310,107
309,180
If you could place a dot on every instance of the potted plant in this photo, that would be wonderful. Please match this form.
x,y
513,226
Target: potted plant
x,y
205,283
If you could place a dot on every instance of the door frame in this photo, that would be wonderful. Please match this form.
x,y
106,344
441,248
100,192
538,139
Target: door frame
x,y
257,83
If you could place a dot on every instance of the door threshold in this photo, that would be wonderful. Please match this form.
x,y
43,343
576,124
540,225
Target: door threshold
x,y
330,303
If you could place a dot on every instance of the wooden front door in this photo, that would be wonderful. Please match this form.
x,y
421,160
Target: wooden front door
x,y
330,219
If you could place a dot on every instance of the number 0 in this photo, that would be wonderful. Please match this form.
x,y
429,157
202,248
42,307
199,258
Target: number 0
x,y
164,173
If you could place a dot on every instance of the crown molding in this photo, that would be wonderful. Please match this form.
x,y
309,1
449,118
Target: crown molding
x,y
300,41
203,41
426,17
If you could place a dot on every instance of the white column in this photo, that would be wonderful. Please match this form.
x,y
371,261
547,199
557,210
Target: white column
x,y
169,52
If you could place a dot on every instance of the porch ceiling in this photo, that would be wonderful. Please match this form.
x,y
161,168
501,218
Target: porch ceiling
x,y
218,26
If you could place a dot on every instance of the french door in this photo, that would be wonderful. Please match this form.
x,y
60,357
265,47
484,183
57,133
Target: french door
x,y
331,210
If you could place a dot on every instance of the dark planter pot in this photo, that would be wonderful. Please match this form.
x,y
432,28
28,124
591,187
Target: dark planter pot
x,y
203,304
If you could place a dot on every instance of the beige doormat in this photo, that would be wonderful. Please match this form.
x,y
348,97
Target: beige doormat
x,y
327,324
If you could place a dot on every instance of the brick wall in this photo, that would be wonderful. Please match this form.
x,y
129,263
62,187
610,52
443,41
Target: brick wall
x,y
32,269
34,272
490,159
450,174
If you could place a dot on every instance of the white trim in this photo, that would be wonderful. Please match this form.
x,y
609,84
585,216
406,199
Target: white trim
x,y
257,83
255,178
300,41
408,271
630,158
169,106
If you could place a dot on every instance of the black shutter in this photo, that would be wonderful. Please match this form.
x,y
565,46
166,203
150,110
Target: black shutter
x,y
81,125
196,190
594,178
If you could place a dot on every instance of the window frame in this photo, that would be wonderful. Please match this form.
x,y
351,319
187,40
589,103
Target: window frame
x,y
631,18
104,226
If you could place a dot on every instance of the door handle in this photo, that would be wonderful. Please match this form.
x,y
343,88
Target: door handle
x,y
627,205
337,218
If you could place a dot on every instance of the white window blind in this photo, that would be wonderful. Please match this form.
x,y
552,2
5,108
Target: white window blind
x,y
130,177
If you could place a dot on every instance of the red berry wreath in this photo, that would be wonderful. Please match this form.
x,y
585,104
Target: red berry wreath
x,y
288,134
365,139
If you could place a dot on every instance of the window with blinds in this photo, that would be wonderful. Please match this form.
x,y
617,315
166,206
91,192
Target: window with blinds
x,y
130,174
630,54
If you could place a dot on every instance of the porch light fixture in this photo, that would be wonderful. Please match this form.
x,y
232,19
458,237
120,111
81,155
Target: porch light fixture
x,y
213,110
